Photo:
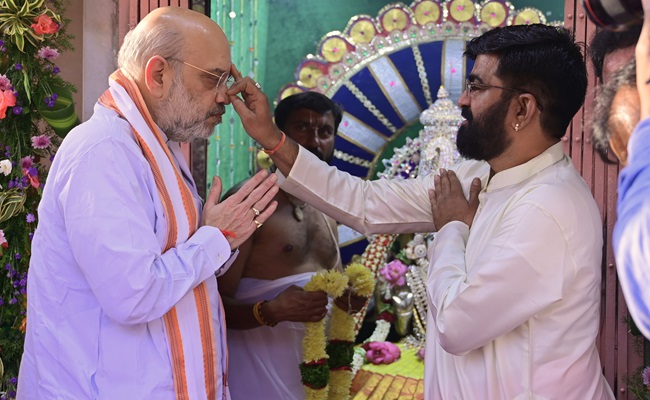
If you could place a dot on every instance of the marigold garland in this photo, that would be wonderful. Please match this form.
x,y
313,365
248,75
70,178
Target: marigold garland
x,y
337,356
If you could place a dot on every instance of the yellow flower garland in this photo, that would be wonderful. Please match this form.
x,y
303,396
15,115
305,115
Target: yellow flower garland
x,y
342,328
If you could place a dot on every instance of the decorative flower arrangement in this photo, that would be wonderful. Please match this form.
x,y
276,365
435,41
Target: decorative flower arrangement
x,y
392,278
326,370
36,111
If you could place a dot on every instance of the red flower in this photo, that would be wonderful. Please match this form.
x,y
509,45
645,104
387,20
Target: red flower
x,y
7,99
386,316
44,25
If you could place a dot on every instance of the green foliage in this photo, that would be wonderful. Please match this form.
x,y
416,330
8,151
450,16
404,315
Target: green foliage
x,y
32,35
315,375
340,353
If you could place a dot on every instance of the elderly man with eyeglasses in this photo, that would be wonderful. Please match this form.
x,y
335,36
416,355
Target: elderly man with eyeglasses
x,y
514,281
122,293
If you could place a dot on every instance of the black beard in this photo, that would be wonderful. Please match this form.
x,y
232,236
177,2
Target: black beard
x,y
485,138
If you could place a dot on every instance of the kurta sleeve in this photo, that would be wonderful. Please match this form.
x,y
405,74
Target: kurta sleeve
x,y
108,202
369,207
475,298
632,230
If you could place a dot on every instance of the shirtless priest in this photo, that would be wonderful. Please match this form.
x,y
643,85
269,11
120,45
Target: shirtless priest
x,y
262,291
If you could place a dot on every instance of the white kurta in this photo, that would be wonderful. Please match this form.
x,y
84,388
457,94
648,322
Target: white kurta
x,y
98,284
514,302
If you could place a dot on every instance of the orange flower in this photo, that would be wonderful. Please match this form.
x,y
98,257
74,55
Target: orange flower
x,y
7,99
44,25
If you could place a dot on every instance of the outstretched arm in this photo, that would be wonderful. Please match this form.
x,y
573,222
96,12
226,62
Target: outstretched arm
x,y
632,231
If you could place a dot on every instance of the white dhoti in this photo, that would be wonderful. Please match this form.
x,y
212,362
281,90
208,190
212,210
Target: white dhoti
x,y
264,361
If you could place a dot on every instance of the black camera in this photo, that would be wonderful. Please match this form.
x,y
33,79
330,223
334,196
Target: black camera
x,y
615,15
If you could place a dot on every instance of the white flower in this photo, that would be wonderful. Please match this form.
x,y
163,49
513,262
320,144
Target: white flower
x,y
5,167
409,253
418,239
420,250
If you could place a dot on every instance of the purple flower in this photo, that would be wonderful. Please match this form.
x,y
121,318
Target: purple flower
x,y
48,53
17,110
32,171
49,101
18,66
1,301
646,376
31,236
56,70
17,256
2,42
26,162
394,273
8,266
41,142
13,301
30,218
13,380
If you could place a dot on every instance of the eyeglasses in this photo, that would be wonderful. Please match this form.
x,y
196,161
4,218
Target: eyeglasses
x,y
223,79
475,86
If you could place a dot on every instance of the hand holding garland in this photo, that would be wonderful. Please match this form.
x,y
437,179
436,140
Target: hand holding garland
x,y
315,370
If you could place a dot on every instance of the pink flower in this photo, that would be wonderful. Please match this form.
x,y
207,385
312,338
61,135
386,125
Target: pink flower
x,y
5,83
646,376
3,241
48,53
420,354
381,352
40,142
394,273
7,99
32,176
26,162
44,25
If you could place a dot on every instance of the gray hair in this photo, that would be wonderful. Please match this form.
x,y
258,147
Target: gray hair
x,y
142,43
625,76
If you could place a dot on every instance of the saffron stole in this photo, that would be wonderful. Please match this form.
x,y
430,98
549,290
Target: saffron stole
x,y
193,312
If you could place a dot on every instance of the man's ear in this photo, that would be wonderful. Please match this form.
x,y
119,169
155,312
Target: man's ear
x,y
524,108
158,75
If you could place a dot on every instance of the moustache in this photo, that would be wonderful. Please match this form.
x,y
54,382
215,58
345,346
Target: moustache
x,y
219,110
466,113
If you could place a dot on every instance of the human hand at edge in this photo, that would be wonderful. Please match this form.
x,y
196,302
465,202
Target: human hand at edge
x,y
243,212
